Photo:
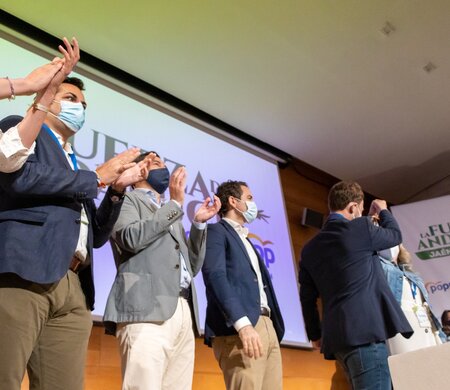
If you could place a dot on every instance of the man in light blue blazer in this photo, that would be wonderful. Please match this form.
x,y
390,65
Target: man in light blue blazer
x,y
153,300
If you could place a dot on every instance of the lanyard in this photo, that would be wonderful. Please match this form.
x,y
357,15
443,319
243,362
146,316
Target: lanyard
x,y
71,155
413,290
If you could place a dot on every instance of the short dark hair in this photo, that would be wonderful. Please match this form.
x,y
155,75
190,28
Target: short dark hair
x,y
143,155
75,81
444,317
225,190
344,192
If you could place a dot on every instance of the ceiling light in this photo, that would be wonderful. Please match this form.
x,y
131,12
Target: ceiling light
x,y
388,28
429,67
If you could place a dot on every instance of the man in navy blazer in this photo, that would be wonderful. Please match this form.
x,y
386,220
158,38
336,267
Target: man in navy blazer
x,y
48,227
341,266
243,321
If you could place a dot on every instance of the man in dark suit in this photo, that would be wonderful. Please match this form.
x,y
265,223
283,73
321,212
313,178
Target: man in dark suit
x,y
341,266
243,321
48,227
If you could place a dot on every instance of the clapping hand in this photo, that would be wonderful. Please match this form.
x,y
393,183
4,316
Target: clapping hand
x,y
177,185
110,171
207,211
132,175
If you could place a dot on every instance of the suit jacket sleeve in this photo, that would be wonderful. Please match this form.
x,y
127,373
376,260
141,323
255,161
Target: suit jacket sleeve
x,y
215,276
133,234
40,180
386,235
197,248
104,218
308,298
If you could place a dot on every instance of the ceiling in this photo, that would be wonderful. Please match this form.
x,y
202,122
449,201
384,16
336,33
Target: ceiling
x,y
317,79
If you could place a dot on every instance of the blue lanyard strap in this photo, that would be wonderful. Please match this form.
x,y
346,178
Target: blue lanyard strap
x,y
71,155
413,290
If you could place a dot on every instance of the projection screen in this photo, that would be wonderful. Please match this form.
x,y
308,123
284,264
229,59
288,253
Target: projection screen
x,y
116,121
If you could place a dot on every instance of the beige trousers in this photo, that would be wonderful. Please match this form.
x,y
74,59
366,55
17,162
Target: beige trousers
x,y
46,329
243,373
158,355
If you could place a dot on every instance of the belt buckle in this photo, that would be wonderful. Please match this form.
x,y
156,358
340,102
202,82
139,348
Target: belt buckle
x,y
265,312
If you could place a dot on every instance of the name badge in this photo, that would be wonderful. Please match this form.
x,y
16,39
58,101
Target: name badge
x,y
422,317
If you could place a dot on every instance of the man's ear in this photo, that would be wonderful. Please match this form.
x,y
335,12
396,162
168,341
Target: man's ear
x,y
351,208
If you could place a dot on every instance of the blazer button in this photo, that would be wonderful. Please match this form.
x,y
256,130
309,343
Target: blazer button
x,y
255,280
177,246
78,221
177,266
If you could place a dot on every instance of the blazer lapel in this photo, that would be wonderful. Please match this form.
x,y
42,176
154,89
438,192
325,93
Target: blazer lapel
x,y
237,239
55,148
145,200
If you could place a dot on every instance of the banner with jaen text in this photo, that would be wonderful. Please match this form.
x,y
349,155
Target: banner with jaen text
x,y
425,228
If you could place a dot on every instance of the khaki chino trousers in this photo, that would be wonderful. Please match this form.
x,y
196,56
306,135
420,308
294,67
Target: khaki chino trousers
x,y
44,328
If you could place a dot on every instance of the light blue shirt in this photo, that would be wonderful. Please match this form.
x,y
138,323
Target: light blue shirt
x,y
185,277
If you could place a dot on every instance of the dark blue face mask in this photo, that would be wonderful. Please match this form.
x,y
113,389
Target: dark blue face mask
x,y
159,179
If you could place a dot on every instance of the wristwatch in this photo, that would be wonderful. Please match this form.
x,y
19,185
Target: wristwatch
x,y
115,196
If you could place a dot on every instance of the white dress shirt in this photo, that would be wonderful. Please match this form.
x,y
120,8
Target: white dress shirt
x,y
13,153
185,277
243,233
81,250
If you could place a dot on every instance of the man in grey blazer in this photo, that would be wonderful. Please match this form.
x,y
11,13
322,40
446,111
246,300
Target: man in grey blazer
x,y
152,300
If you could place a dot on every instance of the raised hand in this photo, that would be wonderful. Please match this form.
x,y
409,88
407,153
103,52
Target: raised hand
x,y
39,78
71,54
110,171
134,174
177,184
207,211
376,207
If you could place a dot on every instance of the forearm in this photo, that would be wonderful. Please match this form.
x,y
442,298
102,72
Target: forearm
x,y
197,246
31,124
14,87
36,179
105,218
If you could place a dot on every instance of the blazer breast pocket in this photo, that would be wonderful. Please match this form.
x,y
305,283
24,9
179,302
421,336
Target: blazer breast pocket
x,y
133,293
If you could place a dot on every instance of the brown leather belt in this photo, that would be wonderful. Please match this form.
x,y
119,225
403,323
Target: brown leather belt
x,y
75,264
265,312
185,293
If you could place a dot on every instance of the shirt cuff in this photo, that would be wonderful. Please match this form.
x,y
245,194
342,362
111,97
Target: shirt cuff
x,y
13,153
176,202
11,143
199,225
241,322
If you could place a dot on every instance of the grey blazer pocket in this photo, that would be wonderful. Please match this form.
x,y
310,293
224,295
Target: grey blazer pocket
x,y
134,293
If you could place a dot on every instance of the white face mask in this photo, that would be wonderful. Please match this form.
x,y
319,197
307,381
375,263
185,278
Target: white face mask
x,y
359,213
390,254
252,210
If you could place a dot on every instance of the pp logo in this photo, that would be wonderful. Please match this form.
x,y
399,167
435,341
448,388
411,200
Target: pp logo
x,y
266,253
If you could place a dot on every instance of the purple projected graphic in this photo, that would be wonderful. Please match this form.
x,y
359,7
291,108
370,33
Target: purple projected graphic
x,y
115,122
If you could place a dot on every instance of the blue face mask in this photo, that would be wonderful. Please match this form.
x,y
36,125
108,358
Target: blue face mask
x,y
71,114
159,179
252,210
